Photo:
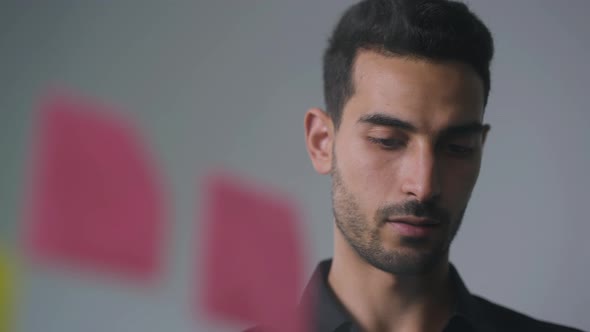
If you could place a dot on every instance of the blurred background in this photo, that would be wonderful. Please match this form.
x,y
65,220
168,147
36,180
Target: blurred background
x,y
210,83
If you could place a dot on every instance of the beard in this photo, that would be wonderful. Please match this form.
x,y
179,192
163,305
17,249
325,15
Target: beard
x,y
412,256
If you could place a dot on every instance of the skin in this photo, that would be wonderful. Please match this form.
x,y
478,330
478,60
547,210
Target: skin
x,y
409,143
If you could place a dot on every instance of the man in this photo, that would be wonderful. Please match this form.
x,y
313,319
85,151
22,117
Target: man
x,y
406,83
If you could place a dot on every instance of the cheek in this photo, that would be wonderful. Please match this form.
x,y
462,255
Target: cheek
x,y
369,174
458,182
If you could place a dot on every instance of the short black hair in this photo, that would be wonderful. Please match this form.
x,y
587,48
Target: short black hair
x,y
438,30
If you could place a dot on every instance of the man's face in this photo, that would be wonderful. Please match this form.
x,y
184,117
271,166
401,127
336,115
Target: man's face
x,y
405,159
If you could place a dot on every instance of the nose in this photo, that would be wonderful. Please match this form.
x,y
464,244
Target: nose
x,y
420,174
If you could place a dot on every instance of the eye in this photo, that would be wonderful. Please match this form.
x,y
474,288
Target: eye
x,y
387,143
460,150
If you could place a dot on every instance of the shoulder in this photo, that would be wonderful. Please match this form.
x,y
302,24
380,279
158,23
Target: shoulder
x,y
505,319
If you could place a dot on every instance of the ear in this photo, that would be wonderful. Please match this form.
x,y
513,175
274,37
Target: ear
x,y
319,139
484,133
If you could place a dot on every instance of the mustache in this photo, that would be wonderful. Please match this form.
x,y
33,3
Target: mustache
x,y
413,208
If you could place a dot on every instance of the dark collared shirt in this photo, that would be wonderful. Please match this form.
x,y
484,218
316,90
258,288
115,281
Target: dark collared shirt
x,y
471,313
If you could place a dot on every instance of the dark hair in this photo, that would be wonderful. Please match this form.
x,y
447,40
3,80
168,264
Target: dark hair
x,y
438,30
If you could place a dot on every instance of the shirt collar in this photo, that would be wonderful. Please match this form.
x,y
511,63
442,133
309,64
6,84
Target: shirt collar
x,y
328,314
466,305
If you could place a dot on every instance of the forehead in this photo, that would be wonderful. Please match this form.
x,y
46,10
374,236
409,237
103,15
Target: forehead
x,y
432,95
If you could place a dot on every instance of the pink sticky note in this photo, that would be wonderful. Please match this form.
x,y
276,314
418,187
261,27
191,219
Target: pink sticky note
x,y
253,257
94,200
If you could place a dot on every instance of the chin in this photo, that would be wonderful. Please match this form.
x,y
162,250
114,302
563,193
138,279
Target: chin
x,y
405,260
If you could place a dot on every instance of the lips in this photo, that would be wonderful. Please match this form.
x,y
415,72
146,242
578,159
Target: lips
x,y
415,221
413,227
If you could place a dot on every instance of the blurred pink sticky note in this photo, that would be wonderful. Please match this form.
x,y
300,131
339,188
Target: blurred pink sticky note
x,y
253,258
94,200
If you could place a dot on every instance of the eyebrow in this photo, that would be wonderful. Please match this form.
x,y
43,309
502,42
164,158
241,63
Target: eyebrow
x,y
464,129
380,119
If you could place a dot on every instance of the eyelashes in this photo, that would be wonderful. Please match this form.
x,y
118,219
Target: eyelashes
x,y
460,149
392,144
387,143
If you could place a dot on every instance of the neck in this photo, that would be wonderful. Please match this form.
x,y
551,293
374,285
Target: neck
x,y
381,301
